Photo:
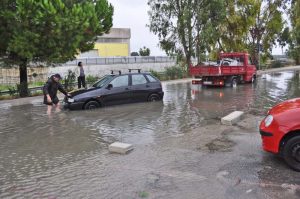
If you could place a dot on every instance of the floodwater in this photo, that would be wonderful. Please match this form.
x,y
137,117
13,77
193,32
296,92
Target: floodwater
x,y
65,155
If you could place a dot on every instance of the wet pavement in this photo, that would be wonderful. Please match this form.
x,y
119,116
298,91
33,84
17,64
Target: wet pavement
x,y
180,148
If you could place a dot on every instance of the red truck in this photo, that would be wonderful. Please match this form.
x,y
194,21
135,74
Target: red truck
x,y
230,70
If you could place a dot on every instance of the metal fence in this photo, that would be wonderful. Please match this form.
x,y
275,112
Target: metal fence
x,y
122,60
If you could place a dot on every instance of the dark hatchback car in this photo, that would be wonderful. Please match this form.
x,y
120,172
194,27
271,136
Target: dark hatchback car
x,y
116,89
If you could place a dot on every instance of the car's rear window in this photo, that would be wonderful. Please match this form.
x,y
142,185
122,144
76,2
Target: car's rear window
x,y
151,78
138,79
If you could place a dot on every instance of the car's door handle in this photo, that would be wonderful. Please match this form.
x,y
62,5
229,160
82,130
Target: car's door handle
x,y
127,89
147,86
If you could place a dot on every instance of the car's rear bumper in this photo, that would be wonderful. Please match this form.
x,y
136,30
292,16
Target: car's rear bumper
x,y
161,94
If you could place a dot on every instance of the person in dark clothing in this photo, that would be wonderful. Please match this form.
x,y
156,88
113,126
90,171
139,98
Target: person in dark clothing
x,y
50,91
80,75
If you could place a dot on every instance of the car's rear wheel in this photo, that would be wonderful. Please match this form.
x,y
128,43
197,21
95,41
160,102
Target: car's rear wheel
x,y
291,153
91,105
153,98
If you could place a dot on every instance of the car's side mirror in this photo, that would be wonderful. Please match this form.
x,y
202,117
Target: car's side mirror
x,y
109,86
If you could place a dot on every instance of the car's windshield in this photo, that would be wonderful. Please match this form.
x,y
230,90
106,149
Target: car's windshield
x,y
103,81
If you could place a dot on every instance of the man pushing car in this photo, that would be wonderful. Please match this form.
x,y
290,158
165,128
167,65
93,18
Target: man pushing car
x,y
50,92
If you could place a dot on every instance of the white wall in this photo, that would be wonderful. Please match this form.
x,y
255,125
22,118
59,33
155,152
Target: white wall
x,y
100,70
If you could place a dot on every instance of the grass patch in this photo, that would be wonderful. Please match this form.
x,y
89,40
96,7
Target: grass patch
x,y
143,194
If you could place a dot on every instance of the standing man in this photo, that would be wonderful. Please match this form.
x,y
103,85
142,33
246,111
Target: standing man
x,y
80,75
50,92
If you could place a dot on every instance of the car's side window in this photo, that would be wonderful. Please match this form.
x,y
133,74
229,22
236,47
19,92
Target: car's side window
x,y
120,81
138,79
151,79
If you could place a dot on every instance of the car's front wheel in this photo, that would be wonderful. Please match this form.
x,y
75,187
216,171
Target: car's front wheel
x,y
153,98
91,105
291,153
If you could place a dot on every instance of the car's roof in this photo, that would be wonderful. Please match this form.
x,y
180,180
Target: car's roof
x,y
143,73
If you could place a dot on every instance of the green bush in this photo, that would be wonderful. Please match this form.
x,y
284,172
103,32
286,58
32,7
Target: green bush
x,y
91,79
175,72
70,80
12,90
156,74
277,64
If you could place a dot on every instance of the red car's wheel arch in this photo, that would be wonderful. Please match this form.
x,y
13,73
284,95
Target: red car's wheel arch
x,y
286,137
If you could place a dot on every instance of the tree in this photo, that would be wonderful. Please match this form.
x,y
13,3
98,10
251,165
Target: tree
x,y
267,28
144,51
252,25
294,43
185,26
240,16
284,38
49,31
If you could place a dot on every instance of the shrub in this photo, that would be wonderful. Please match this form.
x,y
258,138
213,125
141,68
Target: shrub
x,y
155,74
276,64
175,72
12,90
91,79
70,80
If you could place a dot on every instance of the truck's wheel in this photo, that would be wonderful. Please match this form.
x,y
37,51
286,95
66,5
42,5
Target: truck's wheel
x,y
234,83
91,105
291,153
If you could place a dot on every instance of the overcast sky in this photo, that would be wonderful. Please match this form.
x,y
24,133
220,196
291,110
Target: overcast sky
x,y
133,14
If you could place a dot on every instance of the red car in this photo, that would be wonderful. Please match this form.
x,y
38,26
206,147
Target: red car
x,y
280,132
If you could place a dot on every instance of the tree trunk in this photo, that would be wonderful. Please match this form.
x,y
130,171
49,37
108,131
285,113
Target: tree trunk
x,y
189,62
297,60
23,87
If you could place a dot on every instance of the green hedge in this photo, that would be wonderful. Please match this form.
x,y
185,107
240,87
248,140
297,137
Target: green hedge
x,y
174,72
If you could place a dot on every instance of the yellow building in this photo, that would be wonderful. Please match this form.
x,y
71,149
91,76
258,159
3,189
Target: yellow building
x,y
114,44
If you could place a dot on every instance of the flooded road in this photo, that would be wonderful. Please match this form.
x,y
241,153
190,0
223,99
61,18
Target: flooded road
x,y
181,150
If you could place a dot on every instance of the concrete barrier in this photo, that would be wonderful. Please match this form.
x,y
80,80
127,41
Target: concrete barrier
x,y
232,118
119,147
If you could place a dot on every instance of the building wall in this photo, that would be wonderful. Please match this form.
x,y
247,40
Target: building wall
x,y
112,49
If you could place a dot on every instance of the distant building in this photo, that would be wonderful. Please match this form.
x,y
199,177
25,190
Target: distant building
x,y
114,44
